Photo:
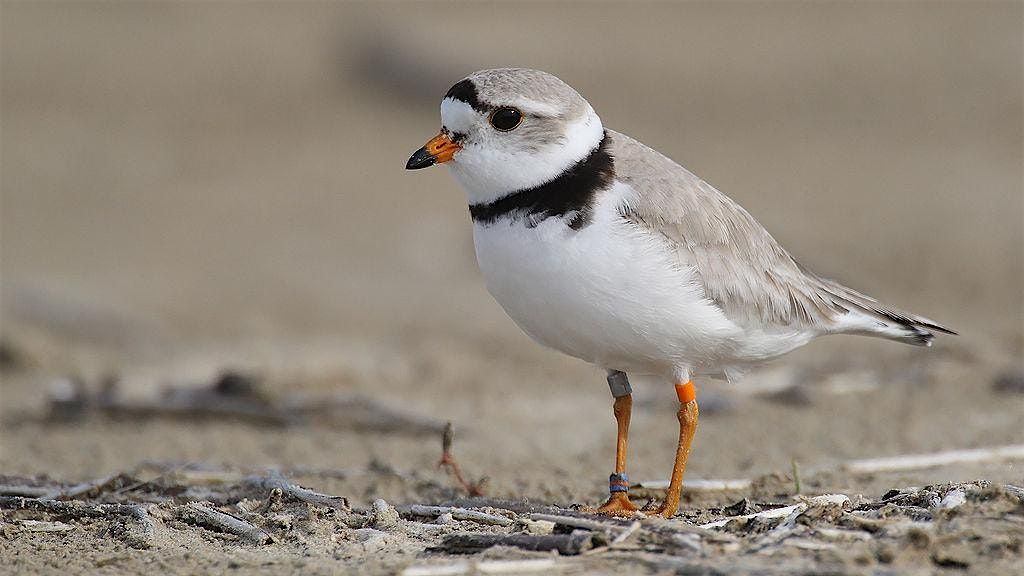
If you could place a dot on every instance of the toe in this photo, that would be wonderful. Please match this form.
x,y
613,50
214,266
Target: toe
x,y
618,504
663,511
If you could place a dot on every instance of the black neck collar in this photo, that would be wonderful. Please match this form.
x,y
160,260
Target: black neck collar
x,y
570,194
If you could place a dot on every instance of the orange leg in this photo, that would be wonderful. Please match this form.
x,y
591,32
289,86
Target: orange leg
x,y
618,503
687,415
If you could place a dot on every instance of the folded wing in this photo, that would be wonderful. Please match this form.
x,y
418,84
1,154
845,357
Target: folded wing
x,y
743,269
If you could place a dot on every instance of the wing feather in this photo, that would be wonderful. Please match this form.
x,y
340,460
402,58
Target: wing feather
x,y
742,268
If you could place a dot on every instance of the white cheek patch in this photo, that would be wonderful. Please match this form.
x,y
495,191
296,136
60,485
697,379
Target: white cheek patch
x,y
581,137
489,169
457,116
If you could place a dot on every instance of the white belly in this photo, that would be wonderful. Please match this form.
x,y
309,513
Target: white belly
x,y
609,294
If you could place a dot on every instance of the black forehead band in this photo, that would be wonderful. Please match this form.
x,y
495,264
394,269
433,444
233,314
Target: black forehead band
x,y
465,91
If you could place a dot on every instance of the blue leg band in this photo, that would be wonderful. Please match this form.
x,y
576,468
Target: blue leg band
x,y
618,483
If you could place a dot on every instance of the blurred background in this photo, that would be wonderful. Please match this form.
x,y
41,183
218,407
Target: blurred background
x,y
194,187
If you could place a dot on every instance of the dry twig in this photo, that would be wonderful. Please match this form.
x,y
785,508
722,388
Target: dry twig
x,y
25,490
617,540
785,511
202,515
94,488
584,523
75,510
459,514
449,462
566,544
297,492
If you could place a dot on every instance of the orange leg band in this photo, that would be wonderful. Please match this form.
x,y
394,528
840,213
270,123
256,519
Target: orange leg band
x,y
686,392
688,412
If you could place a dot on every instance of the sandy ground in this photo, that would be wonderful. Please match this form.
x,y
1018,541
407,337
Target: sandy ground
x,y
188,188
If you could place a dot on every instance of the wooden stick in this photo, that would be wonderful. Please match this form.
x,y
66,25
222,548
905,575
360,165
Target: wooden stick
x,y
584,523
62,509
24,490
520,506
99,486
625,533
211,518
617,540
297,492
470,543
458,514
77,509
785,511
767,514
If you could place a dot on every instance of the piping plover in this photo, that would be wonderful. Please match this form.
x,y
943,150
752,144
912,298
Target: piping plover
x,y
606,250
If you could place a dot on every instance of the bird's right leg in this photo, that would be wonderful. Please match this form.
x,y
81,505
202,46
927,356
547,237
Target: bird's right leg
x,y
618,503
687,415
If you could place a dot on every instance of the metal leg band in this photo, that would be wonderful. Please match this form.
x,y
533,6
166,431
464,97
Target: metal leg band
x,y
619,383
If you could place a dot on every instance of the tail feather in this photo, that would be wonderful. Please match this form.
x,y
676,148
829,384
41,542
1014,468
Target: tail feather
x,y
881,320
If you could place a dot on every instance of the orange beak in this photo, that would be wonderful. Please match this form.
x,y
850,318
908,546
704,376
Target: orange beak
x,y
438,150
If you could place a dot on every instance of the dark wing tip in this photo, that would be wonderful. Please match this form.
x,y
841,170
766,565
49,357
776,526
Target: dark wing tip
x,y
933,326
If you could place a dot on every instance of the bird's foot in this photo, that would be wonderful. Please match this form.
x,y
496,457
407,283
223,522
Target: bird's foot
x,y
618,504
665,510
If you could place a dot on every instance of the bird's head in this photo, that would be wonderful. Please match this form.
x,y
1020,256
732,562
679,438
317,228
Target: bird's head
x,y
510,129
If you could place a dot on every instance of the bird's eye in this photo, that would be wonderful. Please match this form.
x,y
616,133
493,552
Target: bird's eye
x,y
506,119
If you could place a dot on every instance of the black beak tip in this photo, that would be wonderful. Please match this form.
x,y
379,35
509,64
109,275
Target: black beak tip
x,y
420,159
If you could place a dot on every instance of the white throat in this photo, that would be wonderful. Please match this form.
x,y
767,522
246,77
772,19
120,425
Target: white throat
x,y
487,173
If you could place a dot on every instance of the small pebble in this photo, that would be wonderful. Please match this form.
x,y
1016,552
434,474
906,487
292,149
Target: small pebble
x,y
538,527
383,516
370,539
284,521
953,499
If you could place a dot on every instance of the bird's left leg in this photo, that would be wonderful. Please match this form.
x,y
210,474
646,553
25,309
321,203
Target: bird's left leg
x,y
618,503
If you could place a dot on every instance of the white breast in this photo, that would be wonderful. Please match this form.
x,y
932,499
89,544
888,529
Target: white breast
x,y
609,293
